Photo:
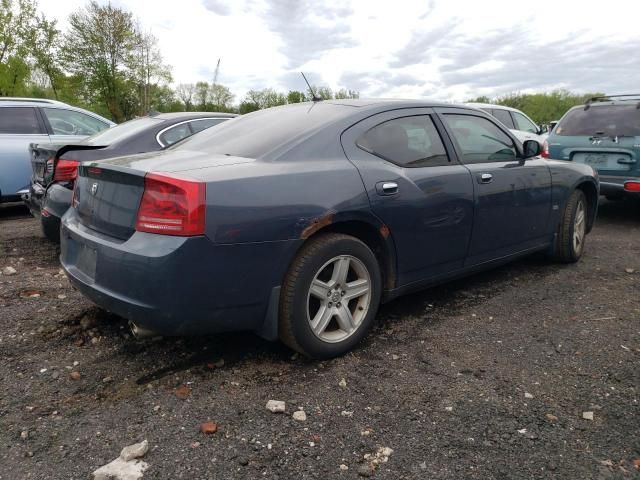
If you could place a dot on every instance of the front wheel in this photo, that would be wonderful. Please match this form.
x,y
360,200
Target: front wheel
x,y
572,231
330,296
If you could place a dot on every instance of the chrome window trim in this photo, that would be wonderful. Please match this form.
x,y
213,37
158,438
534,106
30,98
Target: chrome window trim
x,y
159,134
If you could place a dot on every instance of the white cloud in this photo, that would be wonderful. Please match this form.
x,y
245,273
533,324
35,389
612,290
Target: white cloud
x,y
449,50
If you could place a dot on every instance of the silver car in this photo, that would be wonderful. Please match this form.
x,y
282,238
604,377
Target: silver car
x,y
31,120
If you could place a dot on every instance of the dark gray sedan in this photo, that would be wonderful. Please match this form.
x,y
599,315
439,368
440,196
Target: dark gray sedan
x,y
55,165
296,222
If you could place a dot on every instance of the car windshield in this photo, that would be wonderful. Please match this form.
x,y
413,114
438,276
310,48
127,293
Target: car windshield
x,y
605,120
261,132
122,131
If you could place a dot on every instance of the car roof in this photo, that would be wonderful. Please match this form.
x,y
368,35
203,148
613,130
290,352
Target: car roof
x,y
190,115
394,102
492,105
21,101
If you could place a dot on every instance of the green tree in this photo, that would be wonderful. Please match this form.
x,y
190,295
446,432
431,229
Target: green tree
x,y
46,51
149,71
220,98
346,93
17,20
296,97
185,92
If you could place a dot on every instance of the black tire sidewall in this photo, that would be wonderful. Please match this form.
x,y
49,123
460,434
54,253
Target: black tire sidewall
x,y
51,228
301,329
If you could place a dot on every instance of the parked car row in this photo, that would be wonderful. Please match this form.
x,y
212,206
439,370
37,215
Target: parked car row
x,y
518,122
296,222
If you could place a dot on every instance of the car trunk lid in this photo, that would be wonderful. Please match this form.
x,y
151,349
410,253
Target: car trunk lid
x,y
109,192
609,155
45,158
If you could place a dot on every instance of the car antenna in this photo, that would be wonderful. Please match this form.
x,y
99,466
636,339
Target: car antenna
x,y
314,97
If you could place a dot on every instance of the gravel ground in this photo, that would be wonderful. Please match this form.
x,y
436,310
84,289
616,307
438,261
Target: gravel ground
x,y
488,377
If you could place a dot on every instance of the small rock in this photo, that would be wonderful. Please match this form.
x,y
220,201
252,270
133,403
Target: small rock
x,y
395,357
9,271
136,450
343,467
551,418
195,444
75,375
345,413
55,375
183,392
107,379
629,270
276,406
299,416
364,471
24,435
449,409
587,415
244,461
342,383
208,428
61,297
527,395
156,408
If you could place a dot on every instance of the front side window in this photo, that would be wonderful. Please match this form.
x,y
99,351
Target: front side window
x,y
480,140
175,134
69,122
524,124
19,120
204,123
406,141
504,116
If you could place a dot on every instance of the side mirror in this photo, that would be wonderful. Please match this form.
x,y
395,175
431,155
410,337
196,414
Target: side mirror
x,y
531,148
543,129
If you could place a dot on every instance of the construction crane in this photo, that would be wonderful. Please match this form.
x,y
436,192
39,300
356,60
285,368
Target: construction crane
x,y
215,75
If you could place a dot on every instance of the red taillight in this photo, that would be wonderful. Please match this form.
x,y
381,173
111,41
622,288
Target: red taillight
x,y
66,171
545,149
171,206
632,186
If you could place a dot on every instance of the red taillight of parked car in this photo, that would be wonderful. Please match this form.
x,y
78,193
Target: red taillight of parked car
x,y
545,150
171,206
66,171
632,186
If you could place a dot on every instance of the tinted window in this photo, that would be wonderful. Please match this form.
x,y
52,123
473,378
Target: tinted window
x,y
259,133
504,116
123,131
524,124
608,120
175,134
22,120
407,141
480,140
201,124
68,122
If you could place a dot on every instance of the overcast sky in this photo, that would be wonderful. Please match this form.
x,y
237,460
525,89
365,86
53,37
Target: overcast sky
x,y
440,49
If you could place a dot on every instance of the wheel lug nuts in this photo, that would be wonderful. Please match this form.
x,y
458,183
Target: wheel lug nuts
x,y
342,293
329,293
338,305
330,304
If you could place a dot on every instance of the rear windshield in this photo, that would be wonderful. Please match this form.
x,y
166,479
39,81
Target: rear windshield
x,y
604,120
258,133
122,131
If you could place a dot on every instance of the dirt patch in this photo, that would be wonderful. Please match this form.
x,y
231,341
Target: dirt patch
x,y
489,377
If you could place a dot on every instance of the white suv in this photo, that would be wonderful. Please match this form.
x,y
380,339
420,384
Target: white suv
x,y
520,125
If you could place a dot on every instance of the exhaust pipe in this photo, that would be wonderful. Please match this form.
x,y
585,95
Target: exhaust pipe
x,y
140,332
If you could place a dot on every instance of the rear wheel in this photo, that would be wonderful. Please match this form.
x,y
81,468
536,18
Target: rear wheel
x,y
330,296
572,231
51,228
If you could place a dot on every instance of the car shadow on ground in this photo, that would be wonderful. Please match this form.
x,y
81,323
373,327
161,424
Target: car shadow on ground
x,y
10,211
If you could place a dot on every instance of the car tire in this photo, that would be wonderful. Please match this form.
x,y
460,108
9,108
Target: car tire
x,y
51,228
572,231
314,317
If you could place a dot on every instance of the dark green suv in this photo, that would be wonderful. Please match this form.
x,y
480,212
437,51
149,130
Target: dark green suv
x,y
603,133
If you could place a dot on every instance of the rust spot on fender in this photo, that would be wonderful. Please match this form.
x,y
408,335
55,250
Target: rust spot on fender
x,y
316,224
385,232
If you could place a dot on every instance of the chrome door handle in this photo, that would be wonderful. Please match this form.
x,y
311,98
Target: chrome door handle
x,y
485,178
387,188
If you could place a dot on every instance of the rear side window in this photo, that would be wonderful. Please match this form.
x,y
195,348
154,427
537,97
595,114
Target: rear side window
x,y
603,120
505,117
175,134
407,141
69,122
524,124
480,140
201,124
19,120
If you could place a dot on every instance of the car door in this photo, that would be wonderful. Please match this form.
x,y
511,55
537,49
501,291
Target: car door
x,y
19,126
68,126
512,196
417,187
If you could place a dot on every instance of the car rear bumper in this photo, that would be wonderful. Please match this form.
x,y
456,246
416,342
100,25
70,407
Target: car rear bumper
x,y
614,186
175,285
